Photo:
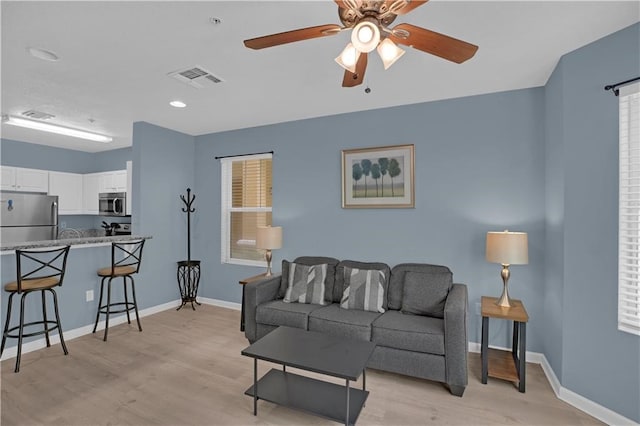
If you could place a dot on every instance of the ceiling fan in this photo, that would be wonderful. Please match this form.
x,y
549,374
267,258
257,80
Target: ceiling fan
x,y
369,21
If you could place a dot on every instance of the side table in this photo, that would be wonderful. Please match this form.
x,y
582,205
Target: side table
x,y
504,364
242,283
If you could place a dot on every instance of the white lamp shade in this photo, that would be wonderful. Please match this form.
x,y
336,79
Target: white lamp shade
x,y
389,52
507,248
269,237
365,36
348,58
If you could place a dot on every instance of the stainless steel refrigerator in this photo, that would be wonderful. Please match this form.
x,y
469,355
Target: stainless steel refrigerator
x,y
28,217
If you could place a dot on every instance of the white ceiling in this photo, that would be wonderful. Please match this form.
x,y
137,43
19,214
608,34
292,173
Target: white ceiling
x,y
115,57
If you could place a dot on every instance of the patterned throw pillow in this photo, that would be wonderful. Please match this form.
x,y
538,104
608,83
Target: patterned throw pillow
x,y
363,289
306,284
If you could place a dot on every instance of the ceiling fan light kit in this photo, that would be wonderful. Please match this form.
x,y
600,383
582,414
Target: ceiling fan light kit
x,y
366,35
389,52
348,58
369,21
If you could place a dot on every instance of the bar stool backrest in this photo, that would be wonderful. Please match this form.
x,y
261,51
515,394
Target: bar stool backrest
x,y
126,253
41,264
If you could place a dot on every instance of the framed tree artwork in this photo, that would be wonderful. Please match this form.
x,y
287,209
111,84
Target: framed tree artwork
x,y
380,177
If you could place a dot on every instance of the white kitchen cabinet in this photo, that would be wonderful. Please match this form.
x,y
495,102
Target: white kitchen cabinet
x,y
68,188
26,180
90,191
115,181
8,182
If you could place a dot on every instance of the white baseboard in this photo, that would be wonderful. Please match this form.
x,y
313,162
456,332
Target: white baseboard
x,y
220,303
580,402
34,345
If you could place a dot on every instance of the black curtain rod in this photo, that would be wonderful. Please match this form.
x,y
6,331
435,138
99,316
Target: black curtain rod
x,y
614,87
244,155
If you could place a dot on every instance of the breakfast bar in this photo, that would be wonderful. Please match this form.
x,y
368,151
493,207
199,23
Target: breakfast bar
x,y
80,242
78,294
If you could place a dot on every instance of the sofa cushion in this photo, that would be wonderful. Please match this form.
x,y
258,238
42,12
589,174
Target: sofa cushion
x,y
416,333
340,284
396,282
425,293
306,284
311,260
363,289
277,312
342,322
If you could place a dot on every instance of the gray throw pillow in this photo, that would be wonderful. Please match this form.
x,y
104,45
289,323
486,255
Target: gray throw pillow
x,y
425,293
363,289
306,284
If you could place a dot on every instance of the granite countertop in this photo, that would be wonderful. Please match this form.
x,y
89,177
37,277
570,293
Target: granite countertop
x,y
70,241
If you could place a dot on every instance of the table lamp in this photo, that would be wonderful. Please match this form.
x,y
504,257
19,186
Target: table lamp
x,y
269,238
507,248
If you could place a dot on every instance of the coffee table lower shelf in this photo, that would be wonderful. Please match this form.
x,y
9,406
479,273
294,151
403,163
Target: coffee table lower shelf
x,y
314,396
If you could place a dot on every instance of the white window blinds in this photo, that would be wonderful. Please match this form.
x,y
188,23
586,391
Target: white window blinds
x,y
629,211
246,204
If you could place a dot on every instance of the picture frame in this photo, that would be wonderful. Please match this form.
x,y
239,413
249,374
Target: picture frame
x,y
378,177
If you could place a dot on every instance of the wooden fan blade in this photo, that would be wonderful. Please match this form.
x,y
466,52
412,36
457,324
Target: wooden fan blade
x,y
354,79
412,4
291,36
446,47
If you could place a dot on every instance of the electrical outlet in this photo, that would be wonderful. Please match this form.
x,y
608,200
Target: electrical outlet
x,y
63,225
478,308
89,295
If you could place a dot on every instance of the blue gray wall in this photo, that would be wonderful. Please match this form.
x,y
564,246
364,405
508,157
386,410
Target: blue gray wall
x,y
589,355
552,320
163,170
34,156
479,166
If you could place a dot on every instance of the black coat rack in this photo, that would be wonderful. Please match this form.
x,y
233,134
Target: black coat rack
x,y
188,270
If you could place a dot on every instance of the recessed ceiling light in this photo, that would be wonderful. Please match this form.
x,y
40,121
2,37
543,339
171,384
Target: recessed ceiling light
x,y
177,104
45,55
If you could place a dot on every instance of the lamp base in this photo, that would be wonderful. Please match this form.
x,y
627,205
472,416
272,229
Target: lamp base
x,y
504,300
268,257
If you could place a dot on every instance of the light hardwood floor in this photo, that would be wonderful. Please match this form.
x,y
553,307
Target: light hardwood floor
x,y
185,368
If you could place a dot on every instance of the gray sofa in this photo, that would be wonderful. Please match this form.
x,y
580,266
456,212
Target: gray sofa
x,y
422,331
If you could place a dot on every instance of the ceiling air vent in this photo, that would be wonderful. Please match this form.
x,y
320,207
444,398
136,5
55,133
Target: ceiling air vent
x,y
37,115
195,76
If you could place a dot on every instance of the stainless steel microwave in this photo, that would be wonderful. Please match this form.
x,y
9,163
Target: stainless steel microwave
x,y
112,203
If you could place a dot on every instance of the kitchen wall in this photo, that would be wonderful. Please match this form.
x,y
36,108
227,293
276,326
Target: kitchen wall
x,y
587,352
479,166
20,154
34,156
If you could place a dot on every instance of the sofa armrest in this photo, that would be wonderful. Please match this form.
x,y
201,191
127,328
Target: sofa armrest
x,y
257,293
455,337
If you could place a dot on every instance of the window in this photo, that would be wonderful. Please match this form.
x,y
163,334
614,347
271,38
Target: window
x,y
629,211
246,204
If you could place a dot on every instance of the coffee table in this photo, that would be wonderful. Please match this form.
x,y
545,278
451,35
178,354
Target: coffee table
x,y
316,352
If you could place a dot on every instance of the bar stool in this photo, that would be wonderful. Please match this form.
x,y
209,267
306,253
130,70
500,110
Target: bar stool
x,y
37,270
130,254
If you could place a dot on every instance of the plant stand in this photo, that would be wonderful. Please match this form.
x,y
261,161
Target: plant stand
x,y
188,281
188,270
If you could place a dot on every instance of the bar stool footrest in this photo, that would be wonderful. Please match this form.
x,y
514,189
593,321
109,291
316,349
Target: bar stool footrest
x,y
34,333
129,306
